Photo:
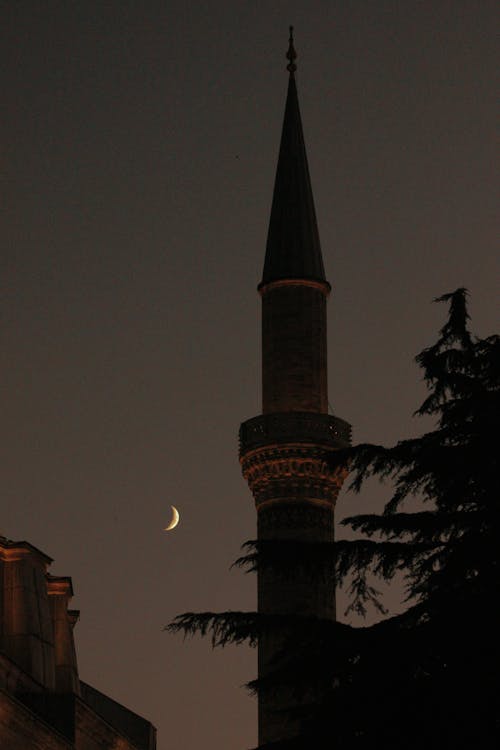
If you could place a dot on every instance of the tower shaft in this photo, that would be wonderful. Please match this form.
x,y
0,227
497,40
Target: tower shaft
x,y
294,365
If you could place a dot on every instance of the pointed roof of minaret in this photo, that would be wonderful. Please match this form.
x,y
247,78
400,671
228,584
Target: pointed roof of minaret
x,y
293,248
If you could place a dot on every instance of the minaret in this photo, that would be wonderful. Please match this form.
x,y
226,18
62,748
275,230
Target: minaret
x,y
286,452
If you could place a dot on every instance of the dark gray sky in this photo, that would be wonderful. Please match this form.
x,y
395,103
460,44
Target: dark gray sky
x,y
139,147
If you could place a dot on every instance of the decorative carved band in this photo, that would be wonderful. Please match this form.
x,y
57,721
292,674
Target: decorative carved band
x,y
293,473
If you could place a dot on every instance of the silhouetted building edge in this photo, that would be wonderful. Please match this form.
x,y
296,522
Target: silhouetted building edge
x,y
43,703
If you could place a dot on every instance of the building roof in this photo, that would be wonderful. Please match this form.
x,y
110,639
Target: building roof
x,y
293,248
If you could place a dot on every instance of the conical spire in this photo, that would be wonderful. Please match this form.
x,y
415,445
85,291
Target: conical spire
x,y
293,248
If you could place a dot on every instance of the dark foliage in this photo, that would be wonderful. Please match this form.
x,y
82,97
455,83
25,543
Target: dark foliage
x,y
452,546
428,677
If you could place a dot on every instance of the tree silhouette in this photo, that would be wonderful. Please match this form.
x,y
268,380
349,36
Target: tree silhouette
x,y
427,676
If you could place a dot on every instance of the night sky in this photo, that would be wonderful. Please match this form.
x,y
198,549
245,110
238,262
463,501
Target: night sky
x,y
140,141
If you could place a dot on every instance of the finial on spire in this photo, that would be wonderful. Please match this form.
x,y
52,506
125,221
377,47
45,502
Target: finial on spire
x,y
291,55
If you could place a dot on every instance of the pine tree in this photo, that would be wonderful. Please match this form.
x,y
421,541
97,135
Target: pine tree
x,y
430,675
448,549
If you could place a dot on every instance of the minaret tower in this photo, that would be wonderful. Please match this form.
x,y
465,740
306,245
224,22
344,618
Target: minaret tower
x,y
286,452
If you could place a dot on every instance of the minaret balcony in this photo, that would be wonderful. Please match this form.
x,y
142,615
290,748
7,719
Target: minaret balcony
x,y
294,427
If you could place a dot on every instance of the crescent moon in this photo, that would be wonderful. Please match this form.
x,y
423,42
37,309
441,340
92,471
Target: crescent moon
x,y
175,519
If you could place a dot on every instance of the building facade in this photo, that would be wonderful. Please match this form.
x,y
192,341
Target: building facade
x,y
286,452
43,703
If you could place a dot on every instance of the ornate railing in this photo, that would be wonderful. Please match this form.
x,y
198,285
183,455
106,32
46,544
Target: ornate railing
x,y
294,427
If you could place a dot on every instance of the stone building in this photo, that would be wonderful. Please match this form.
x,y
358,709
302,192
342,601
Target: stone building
x,y
287,452
43,703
